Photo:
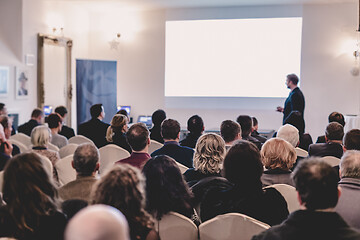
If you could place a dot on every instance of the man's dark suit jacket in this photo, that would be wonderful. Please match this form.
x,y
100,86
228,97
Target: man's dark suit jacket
x,y
253,140
295,101
183,155
256,135
27,127
67,132
321,139
95,130
326,149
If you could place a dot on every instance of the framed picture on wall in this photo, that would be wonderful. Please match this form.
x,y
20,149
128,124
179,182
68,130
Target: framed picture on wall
x,y
21,83
4,81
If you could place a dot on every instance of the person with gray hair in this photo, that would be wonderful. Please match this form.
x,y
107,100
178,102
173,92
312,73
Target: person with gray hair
x,y
289,133
348,206
86,163
98,222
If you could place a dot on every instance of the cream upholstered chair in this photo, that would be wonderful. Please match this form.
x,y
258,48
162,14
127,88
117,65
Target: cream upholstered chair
x,y
21,146
1,180
154,145
174,226
47,165
23,138
333,161
290,195
231,226
53,147
182,167
66,172
67,150
301,152
79,139
110,154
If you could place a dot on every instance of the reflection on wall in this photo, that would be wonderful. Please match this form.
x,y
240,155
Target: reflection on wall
x,y
95,83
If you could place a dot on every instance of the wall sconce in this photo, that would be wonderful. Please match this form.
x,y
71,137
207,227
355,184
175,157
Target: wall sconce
x,y
114,44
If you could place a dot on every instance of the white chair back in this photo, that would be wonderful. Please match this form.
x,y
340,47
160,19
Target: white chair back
x,y
23,138
301,152
110,154
231,226
1,180
21,146
290,195
53,147
79,139
174,226
67,150
47,165
154,145
182,167
66,172
333,161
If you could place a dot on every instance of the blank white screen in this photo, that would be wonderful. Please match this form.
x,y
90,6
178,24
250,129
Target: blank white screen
x,y
232,57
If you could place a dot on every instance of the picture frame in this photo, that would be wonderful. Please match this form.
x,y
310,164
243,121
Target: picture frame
x,y
4,81
21,83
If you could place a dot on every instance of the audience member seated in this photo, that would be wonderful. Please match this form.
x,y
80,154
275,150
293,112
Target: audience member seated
x,y
333,117
6,149
86,163
138,137
254,131
98,222
333,136
348,206
31,210
95,129
290,134
243,167
316,184
65,131
155,132
55,125
3,111
72,206
123,189
116,132
230,131
278,157
352,140
37,118
166,189
195,126
6,122
170,131
245,122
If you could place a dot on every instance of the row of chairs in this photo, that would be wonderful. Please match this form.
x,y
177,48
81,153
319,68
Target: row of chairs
x,y
333,161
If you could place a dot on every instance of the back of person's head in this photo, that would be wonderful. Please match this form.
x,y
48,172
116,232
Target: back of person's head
x,y
245,122
123,112
350,164
296,119
337,117
138,136
158,116
117,125
289,133
166,189
2,106
98,222
352,140
170,129
317,184
195,124
293,78
61,110
53,120
37,112
230,130
6,122
255,121
96,110
334,131
278,153
85,159
40,136
209,153
28,191
242,165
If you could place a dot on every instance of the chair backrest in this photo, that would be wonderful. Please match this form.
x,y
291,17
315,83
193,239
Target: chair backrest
x,y
1,180
23,138
290,195
182,167
231,226
21,146
154,145
65,171
333,161
79,139
47,165
53,147
174,226
67,150
301,152
110,154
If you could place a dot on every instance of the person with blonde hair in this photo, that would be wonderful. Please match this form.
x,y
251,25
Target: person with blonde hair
x,y
278,157
116,132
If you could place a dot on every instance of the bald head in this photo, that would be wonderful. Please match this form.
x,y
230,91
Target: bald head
x,y
98,222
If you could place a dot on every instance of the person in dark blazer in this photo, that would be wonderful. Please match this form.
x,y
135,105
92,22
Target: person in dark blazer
x,y
170,131
66,131
246,122
333,135
254,131
37,118
155,132
95,129
195,126
333,117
